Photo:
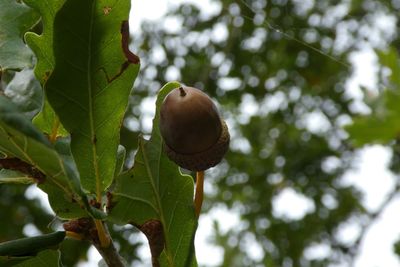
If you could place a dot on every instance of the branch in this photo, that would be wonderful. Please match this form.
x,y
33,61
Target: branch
x,y
110,255
86,228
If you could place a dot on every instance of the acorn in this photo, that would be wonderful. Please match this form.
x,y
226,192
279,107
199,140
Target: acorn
x,y
195,137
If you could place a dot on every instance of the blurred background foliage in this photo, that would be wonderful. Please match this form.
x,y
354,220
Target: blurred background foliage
x,y
280,72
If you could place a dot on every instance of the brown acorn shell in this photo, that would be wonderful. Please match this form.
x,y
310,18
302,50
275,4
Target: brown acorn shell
x,y
203,160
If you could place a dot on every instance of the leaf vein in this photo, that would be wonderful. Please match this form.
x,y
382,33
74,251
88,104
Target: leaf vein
x,y
138,199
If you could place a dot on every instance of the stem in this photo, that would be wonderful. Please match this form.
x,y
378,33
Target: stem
x,y
198,197
88,229
109,253
183,93
103,236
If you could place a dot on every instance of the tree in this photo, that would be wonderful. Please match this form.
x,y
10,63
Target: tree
x,y
71,147
287,61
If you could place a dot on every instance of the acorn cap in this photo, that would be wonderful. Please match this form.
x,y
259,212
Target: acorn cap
x,y
205,159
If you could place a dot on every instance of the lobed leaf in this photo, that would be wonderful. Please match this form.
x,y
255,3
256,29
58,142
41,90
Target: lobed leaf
x,y
19,138
90,84
15,19
42,45
48,122
155,189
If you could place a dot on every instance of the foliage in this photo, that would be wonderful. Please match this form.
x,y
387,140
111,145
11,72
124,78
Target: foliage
x,y
60,129
383,125
160,187
275,66
15,18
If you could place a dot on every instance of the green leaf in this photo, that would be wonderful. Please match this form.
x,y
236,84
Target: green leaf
x,y
42,45
11,118
15,19
155,189
46,258
61,203
14,177
48,122
31,245
368,130
19,138
383,125
390,59
25,91
7,261
92,81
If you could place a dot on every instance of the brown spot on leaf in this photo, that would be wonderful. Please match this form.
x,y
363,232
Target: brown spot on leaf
x,y
21,166
132,58
154,232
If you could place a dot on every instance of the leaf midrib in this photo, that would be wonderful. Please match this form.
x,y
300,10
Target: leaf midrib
x,y
158,200
91,119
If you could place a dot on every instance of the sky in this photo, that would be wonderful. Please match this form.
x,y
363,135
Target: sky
x,y
369,173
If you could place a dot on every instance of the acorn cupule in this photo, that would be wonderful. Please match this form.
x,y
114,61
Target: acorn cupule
x,y
203,160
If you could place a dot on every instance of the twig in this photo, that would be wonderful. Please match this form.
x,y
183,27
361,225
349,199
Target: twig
x,y
110,253
103,237
85,228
